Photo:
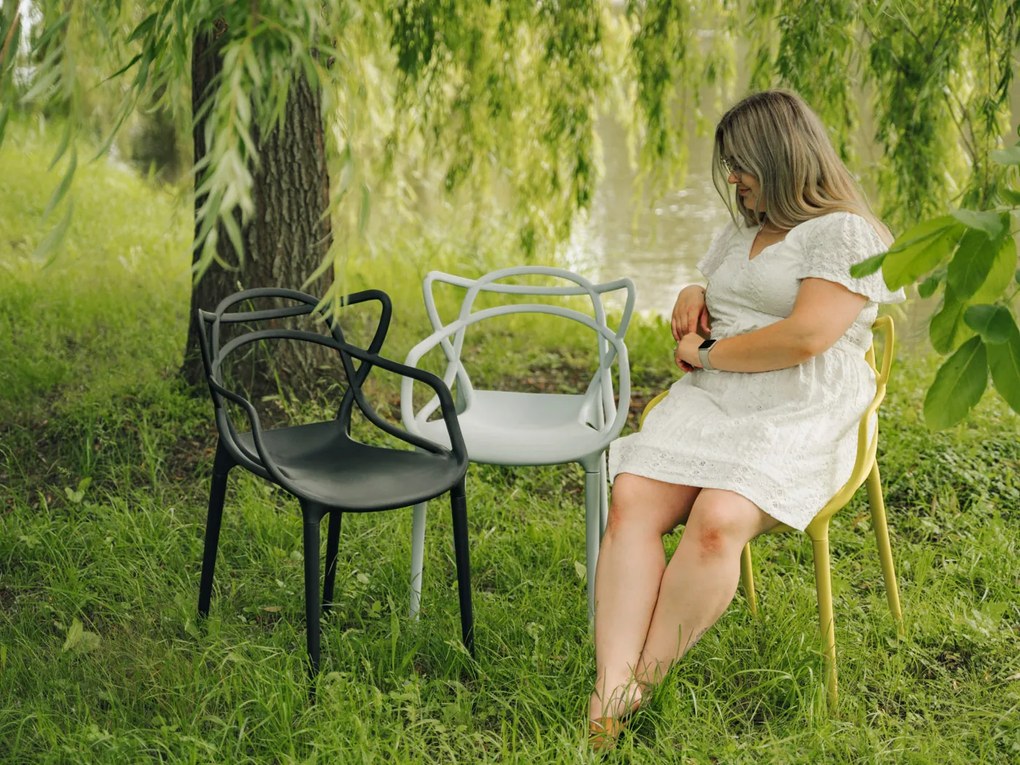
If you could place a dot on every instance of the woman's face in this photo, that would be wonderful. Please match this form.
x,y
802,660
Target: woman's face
x,y
748,187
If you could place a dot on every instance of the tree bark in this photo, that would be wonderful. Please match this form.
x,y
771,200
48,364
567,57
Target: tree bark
x,y
289,233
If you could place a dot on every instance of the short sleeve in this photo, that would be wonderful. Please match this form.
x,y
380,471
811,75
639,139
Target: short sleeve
x,y
717,250
836,242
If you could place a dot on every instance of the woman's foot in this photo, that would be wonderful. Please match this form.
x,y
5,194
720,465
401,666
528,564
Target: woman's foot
x,y
606,721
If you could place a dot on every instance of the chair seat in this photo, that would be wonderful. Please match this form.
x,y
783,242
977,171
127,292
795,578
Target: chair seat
x,y
326,464
515,428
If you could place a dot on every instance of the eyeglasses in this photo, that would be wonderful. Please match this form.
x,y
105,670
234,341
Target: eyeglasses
x,y
733,168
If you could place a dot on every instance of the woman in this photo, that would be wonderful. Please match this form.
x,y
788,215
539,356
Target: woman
x,y
762,429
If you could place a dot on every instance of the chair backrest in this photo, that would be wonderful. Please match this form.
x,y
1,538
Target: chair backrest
x,y
241,327
600,390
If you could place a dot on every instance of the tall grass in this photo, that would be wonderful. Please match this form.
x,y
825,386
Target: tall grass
x,y
104,469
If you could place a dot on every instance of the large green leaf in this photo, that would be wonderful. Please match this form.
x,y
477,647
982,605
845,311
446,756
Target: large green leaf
x,y
994,224
1001,273
947,328
993,322
971,263
927,288
1004,364
920,249
868,266
958,386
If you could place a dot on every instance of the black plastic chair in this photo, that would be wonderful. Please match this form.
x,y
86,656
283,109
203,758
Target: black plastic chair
x,y
321,463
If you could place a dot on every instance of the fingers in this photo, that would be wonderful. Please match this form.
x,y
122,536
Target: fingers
x,y
704,321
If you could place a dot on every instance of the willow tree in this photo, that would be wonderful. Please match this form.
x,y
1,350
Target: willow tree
x,y
301,109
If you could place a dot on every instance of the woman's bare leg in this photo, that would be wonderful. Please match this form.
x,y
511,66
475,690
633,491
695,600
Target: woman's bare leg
x,y
627,580
701,578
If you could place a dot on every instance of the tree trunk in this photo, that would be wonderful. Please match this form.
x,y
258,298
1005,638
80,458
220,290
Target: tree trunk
x,y
289,233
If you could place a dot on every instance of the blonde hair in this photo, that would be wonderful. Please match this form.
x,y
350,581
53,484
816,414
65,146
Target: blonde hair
x,y
776,137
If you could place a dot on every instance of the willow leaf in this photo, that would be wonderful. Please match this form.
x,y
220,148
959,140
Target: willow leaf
x,y
48,247
958,386
1010,156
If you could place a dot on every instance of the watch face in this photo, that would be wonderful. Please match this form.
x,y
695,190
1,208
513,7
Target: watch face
x,y
706,345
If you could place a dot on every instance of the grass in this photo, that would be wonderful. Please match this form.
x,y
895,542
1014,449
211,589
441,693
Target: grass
x,y
104,469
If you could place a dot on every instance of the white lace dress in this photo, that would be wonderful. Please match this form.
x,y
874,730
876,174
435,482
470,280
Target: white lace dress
x,y
784,439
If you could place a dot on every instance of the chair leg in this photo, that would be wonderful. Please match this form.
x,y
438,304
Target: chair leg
x,y
881,527
312,517
417,555
458,504
747,578
823,583
603,494
332,548
217,493
592,529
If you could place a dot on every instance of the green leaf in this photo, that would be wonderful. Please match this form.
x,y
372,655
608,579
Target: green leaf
x,y
1010,156
1004,364
993,322
79,639
946,328
958,386
1010,196
868,266
919,250
994,224
1000,274
971,263
143,28
927,288
65,184
47,249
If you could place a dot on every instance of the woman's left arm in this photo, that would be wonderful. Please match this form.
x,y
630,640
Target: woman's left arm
x,y
822,313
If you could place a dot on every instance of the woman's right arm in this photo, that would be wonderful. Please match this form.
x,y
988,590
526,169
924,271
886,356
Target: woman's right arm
x,y
690,313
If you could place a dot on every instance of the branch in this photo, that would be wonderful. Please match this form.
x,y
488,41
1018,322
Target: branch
x,y
10,35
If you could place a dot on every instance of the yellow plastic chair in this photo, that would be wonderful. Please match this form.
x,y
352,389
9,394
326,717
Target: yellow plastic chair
x,y
865,471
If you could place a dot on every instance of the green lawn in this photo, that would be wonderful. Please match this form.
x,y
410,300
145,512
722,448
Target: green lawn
x,y
104,469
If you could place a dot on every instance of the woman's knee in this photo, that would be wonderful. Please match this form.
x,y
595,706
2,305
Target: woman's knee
x,y
721,523
638,502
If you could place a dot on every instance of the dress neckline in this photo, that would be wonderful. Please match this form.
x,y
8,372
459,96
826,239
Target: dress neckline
x,y
754,235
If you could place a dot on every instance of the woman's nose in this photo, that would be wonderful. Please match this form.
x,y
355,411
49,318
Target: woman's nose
x,y
732,178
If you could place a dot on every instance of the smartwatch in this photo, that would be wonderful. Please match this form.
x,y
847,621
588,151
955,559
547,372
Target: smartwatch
x,y
703,351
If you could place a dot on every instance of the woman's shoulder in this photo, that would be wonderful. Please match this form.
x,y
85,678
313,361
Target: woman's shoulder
x,y
839,223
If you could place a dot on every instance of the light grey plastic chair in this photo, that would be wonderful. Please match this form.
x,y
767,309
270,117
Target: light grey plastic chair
x,y
523,428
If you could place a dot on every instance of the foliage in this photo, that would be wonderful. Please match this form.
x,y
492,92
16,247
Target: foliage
x,y
493,107
104,470
971,257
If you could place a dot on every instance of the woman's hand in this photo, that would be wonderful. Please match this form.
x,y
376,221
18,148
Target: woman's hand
x,y
689,313
686,353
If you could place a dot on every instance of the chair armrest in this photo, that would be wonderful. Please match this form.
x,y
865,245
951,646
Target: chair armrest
x,y
619,351
409,373
264,460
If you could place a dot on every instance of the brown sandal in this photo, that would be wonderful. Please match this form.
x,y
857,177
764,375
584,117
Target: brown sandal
x,y
604,732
